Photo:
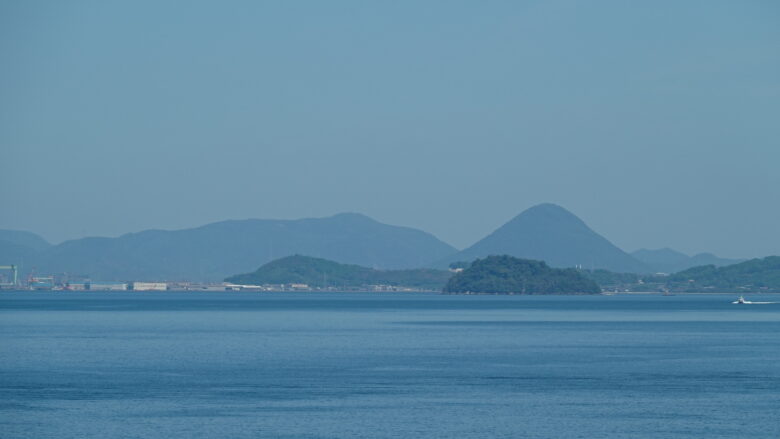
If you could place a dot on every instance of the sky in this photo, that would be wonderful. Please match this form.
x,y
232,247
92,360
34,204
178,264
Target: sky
x,y
658,123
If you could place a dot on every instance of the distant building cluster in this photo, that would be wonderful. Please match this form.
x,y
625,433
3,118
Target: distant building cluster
x,y
10,281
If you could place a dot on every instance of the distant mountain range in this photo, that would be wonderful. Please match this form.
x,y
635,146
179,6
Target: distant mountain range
x,y
214,251
19,248
27,240
545,232
550,233
666,260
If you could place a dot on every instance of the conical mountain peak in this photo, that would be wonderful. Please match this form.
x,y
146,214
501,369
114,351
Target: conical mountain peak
x,y
547,209
550,233
547,213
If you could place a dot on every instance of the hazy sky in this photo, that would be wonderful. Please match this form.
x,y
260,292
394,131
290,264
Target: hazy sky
x,y
658,123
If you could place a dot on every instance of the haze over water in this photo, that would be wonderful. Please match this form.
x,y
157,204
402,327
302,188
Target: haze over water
x,y
160,365
449,117
162,123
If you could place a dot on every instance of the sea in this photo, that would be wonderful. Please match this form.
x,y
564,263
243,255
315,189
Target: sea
x,y
387,365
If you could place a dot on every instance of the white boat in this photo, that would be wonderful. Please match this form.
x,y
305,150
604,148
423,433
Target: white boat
x,y
742,301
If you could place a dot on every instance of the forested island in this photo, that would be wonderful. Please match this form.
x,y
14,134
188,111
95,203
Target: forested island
x,y
753,276
510,275
322,273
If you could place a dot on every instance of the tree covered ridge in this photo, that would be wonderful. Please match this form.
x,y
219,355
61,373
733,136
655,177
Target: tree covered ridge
x,y
752,275
323,273
510,275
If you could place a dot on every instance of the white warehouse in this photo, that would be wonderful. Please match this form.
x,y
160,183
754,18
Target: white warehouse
x,y
150,286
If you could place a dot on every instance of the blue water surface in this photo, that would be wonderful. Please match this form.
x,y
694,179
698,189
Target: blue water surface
x,y
331,365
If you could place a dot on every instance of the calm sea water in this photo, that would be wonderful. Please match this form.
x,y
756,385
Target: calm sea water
x,y
197,365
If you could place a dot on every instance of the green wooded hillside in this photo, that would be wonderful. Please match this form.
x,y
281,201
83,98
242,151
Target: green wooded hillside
x,y
753,275
322,273
510,275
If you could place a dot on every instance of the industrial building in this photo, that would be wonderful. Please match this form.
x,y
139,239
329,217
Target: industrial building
x,y
41,282
150,286
107,286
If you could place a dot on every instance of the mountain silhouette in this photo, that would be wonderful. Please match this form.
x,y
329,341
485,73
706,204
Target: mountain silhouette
x,y
667,260
24,239
550,233
217,250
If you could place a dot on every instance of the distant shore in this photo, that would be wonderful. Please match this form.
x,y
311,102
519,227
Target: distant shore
x,y
429,292
686,293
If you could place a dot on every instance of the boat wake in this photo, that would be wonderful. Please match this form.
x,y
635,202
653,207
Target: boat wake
x,y
742,301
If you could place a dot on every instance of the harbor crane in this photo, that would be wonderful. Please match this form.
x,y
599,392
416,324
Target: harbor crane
x,y
14,276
